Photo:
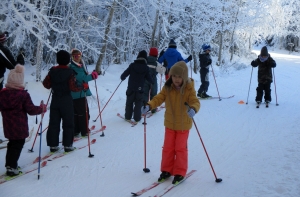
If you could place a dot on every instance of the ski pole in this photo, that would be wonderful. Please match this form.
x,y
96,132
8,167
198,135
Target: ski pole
x,y
102,135
40,134
275,87
160,82
87,125
31,150
215,81
249,85
1,141
107,101
218,180
146,170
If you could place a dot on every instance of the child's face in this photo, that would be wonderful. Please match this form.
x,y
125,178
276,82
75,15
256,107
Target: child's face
x,y
77,57
177,80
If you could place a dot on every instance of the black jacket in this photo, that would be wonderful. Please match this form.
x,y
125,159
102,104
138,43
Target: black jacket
x,y
138,71
264,69
205,60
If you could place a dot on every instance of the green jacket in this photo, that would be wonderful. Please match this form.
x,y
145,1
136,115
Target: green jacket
x,y
81,76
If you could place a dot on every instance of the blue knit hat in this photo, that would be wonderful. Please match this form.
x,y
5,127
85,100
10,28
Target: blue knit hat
x,y
206,47
172,43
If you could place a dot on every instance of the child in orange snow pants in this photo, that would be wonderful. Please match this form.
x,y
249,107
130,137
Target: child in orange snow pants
x,y
177,93
175,152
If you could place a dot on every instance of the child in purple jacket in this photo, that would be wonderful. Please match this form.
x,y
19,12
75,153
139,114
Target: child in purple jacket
x,y
15,104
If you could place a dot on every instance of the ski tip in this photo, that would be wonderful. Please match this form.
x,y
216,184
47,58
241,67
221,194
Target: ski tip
x,y
93,127
118,114
44,163
93,141
104,127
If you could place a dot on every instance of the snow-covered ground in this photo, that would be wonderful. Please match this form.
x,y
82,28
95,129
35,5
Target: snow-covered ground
x,y
254,151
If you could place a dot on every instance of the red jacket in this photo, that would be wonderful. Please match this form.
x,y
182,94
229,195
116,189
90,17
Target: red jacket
x,y
14,107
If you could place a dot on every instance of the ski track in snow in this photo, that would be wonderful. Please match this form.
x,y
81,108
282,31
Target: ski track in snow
x,y
254,151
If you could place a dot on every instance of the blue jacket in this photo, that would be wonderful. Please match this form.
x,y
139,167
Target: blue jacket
x,y
172,56
81,76
138,71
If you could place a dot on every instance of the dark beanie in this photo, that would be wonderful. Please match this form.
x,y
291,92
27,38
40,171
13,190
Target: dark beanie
x,y
264,51
63,57
172,43
142,54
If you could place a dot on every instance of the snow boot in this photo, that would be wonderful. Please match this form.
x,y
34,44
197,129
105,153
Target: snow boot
x,y
163,176
53,149
177,179
204,95
69,148
12,171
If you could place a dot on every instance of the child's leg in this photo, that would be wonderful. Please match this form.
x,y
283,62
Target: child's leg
x,y
168,152
66,111
54,127
267,88
181,151
129,104
14,149
259,92
138,103
80,110
146,90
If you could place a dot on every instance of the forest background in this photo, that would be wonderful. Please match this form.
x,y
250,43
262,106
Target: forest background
x,y
113,31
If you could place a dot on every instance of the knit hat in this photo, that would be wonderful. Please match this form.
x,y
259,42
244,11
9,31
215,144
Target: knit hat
x,y
180,69
15,78
153,51
264,51
206,47
75,51
63,57
142,54
3,36
172,43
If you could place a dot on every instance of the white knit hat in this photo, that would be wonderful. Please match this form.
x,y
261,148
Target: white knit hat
x,y
15,78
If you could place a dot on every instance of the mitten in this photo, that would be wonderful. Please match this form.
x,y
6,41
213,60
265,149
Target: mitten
x,y
44,107
208,61
160,69
191,112
190,58
85,85
253,63
94,75
145,109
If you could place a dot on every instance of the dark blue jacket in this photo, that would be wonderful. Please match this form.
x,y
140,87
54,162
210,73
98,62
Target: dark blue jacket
x,y
138,71
172,56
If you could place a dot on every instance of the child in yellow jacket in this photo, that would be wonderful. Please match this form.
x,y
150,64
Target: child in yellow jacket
x,y
178,90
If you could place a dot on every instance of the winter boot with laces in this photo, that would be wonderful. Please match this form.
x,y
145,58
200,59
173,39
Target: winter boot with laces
x,y
12,171
69,148
204,95
53,149
177,179
163,176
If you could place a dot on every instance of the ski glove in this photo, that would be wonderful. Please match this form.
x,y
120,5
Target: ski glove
x,y
94,75
160,69
85,85
44,107
145,109
254,63
190,58
208,61
191,112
